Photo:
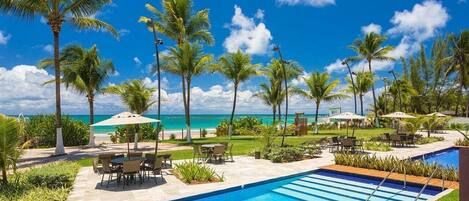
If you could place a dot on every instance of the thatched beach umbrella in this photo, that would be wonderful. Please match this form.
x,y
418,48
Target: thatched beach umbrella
x,y
398,115
348,116
126,118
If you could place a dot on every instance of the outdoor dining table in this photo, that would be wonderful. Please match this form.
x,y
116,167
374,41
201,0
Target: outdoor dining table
x,y
211,146
120,160
208,150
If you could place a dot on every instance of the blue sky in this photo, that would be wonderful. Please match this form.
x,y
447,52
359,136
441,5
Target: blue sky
x,y
313,32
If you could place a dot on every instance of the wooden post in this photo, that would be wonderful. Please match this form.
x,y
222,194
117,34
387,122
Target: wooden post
x,y
200,133
162,134
182,134
464,173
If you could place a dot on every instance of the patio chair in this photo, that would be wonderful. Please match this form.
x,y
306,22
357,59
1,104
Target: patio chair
x,y
109,170
358,144
386,138
218,153
347,145
410,140
131,168
135,154
197,152
166,158
97,167
398,139
155,168
333,145
118,155
229,152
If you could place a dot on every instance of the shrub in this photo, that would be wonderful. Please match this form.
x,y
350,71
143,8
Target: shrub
x,y
54,175
461,142
146,132
241,126
376,146
412,167
41,130
172,136
114,138
427,140
203,133
286,154
194,173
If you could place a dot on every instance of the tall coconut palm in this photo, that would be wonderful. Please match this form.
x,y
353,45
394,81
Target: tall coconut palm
x,y
187,61
319,89
363,83
238,68
370,49
269,95
10,132
84,71
56,12
179,23
458,63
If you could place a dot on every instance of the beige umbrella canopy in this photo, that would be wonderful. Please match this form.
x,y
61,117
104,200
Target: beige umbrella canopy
x,y
398,115
126,118
437,114
348,116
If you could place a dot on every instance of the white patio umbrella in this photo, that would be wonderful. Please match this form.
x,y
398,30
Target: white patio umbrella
x,y
126,118
437,114
348,116
398,115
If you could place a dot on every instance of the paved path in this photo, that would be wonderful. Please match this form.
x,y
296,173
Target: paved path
x,y
243,171
33,157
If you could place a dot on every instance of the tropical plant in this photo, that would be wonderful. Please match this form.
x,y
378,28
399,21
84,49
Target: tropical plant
x,y
433,123
84,71
75,12
428,140
269,95
458,63
236,67
462,142
187,61
376,146
363,83
193,173
10,135
135,94
286,154
179,23
319,89
370,49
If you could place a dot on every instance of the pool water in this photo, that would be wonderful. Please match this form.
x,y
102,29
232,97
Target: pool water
x,y
320,185
446,157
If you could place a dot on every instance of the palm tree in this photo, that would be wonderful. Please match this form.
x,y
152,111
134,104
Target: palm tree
x,y
363,83
135,94
56,12
179,23
10,132
370,50
458,63
236,67
269,95
319,89
187,61
84,72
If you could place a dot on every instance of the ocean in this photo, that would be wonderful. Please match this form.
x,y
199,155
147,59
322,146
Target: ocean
x,y
198,121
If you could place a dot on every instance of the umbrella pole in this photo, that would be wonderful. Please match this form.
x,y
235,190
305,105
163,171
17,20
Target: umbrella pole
x,y
347,126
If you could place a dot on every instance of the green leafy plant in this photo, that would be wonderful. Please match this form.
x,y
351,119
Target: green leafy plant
x,y
376,146
286,154
40,129
412,167
172,136
194,173
462,142
427,140
203,133
241,126
10,133
55,175
114,138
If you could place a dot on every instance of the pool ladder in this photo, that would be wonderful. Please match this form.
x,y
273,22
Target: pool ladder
x,y
428,181
385,178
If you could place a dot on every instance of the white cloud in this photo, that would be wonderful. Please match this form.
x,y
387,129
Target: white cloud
x,y
247,36
375,28
4,38
421,22
48,48
137,61
260,14
336,66
313,3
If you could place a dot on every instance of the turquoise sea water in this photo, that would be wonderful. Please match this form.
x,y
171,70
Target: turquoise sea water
x,y
198,121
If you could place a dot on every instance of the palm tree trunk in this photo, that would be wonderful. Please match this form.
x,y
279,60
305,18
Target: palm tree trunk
x,y
188,117
59,146
467,105
184,99
361,103
353,87
274,114
4,176
230,129
279,112
91,119
459,98
374,96
316,118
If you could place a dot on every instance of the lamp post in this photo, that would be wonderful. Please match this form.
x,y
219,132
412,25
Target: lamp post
x,y
157,42
398,89
345,62
277,49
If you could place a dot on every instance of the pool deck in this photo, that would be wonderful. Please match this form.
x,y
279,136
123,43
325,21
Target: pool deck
x,y
243,171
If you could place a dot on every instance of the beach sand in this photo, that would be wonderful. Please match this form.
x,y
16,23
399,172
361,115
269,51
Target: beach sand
x,y
101,138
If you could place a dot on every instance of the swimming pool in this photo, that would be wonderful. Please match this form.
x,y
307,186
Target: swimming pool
x,y
319,185
446,157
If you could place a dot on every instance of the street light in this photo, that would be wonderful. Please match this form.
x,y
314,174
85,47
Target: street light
x,y
344,62
398,89
277,49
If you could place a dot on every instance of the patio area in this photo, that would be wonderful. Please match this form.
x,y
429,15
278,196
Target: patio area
x,y
244,170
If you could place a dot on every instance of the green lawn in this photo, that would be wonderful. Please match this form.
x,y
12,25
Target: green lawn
x,y
453,196
243,145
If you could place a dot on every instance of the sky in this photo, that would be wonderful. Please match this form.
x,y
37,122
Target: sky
x,y
315,33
